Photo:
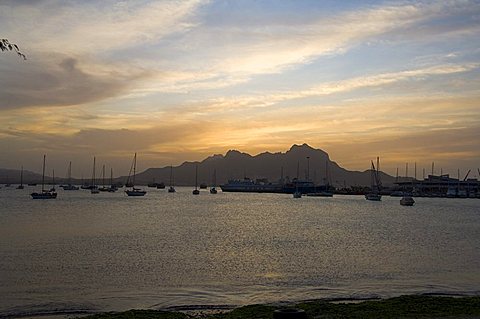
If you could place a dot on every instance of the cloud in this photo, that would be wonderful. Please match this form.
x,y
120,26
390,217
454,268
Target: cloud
x,y
280,44
60,81
95,27
389,79
190,51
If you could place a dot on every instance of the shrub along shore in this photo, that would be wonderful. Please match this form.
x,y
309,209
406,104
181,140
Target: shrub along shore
x,y
398,307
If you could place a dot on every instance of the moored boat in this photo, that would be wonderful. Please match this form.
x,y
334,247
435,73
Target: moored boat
x,y
21,180
94,187
407,200
213,189
171,189
70,186
134,191
196,191
44,194
374,194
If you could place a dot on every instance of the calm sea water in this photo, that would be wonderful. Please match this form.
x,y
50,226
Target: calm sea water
x,y
84,252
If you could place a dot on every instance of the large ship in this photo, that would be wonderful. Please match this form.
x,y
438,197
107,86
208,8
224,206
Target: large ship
x,y
248,185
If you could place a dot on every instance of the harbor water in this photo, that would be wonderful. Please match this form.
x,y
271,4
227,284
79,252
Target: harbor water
x,y
92,253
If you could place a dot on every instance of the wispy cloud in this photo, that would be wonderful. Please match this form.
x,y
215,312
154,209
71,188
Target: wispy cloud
x,y
90,27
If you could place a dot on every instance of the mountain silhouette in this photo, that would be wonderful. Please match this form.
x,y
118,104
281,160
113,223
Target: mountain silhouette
x,y
237,165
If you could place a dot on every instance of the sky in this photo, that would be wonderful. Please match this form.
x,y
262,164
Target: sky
x,y
179,81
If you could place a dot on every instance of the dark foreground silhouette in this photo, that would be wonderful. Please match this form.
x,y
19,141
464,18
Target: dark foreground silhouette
x,y
399,307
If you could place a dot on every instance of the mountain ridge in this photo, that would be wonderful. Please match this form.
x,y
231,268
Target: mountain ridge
x,y
310,162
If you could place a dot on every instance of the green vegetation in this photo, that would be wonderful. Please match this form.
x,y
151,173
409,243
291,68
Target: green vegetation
x,y
400,307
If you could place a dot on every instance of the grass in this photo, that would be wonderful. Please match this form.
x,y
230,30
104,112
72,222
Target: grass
x,y
399,307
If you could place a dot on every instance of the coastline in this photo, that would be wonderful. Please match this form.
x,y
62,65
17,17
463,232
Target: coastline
x,y
406,306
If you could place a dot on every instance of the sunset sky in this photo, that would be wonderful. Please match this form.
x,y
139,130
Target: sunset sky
x,y
182,80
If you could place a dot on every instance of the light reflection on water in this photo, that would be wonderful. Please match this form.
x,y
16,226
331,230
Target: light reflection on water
x,y
111,252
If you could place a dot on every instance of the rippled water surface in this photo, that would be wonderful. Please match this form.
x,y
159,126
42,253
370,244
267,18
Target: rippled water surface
x,y
111,252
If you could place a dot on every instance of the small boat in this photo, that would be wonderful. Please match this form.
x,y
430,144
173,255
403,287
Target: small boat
x,y
21,180
152,184
407,200
196,191
134,191
171,189
297,193
32,184
213,190
44,194
113,188
70,187
161,185
373,196
93,187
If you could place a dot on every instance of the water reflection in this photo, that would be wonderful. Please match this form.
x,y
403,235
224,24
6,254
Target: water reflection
x,y
111,252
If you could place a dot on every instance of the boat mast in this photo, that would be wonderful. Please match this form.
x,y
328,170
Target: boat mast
x,y
372,177
134,168
378,173
21,177
43,174
196,176
103,175
93,175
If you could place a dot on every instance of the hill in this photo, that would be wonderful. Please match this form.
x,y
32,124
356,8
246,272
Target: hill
x,y
237,165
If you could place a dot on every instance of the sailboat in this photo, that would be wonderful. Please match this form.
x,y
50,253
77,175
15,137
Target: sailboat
x,y
297,193
52,189
375,183
171,189
69,186
45,194
93,187
134,191
103,188
213,190
21,180
113,188
407,199
196,191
